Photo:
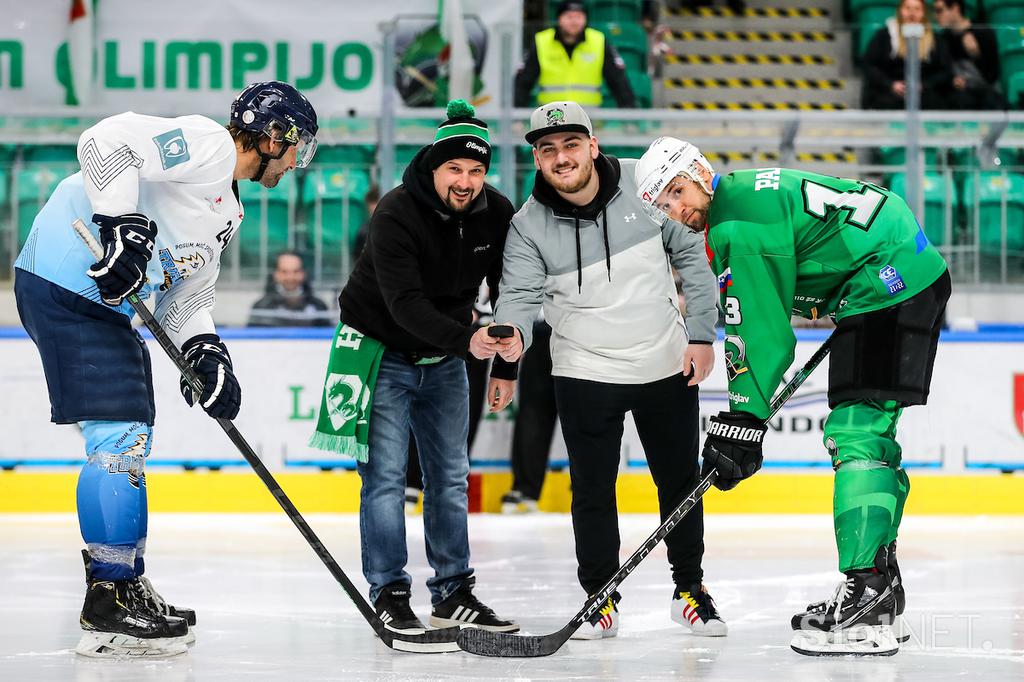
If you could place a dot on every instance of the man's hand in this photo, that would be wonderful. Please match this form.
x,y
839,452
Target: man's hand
x,y
482,346
511,349
900,88
971,45
500,393
733,447
698,361
127,247
209,358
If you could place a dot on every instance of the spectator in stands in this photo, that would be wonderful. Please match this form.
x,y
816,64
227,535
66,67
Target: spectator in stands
x,y
571,62
370,200
885,63
289,299
975,56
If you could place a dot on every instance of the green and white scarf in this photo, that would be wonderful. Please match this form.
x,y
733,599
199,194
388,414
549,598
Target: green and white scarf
x,y
344,423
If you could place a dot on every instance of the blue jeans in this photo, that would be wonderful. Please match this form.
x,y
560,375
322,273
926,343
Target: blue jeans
x,y
434,401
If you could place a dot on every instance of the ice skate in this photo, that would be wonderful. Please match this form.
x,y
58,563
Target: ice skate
x,y
117,623
144,591
856,621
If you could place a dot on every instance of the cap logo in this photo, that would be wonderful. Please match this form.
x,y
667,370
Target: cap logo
x,y
478,147
556,117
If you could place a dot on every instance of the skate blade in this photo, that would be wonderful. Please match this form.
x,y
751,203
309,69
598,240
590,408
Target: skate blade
x,y
113,645
865,640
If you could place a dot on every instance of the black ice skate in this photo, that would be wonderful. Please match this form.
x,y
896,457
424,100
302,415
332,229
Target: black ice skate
x,y
462,608
857,620
899,594
117,623
147,594
393,609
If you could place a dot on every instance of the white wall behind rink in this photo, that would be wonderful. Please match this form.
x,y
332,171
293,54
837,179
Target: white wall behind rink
x,y
972,420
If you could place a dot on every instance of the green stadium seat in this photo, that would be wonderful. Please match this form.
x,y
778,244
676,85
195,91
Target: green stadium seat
x,y
1006,15
642,89
345,155
867,22
35,184
991,187
335,209
266,211
897,156
936,188
629,40
52,154
614,10
1015,89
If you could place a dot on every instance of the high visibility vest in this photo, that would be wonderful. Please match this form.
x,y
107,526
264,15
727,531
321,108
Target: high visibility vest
x,y
577,78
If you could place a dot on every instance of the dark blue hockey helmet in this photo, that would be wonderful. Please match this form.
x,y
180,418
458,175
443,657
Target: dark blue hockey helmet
x,y
279,111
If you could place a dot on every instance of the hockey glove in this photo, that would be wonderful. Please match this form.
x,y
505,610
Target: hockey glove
x,y
127,247
733,447
209,357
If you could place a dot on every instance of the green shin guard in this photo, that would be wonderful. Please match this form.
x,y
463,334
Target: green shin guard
x,y
865,506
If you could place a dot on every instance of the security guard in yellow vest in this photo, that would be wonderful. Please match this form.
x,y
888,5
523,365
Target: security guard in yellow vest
x,y
570,62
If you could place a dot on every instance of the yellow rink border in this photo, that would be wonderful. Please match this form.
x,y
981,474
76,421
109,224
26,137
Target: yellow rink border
x,y
241,491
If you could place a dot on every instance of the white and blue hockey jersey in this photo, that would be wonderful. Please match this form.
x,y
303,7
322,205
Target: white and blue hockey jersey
x,y
176,171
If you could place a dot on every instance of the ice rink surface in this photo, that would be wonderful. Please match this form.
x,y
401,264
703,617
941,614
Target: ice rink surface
x,y
268,609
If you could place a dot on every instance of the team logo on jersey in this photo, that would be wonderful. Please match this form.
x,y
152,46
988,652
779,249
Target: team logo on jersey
x,y
179,269
172,147
735,357
891,279
343,394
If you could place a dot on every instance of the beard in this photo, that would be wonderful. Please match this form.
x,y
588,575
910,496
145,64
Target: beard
x,y
568,185
453,203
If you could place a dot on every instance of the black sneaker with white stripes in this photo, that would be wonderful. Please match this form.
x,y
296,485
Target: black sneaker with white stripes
x,y
393,609
463,608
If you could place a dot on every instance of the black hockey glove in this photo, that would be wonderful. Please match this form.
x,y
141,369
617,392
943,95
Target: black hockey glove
x,y
127,247
209,357
733,447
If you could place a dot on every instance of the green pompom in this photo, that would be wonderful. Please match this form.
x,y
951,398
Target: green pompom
x,y
460,108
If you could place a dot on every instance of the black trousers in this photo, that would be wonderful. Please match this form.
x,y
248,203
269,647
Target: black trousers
x,y
537,416
666,416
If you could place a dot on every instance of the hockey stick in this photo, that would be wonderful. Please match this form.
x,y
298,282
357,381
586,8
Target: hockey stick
x,y
485,643
431,641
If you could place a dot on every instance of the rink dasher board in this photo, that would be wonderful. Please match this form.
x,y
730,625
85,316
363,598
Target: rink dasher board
x,y
974,419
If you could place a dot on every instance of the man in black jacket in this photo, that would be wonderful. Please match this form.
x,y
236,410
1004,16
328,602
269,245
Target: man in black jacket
x,y
975,55
431,241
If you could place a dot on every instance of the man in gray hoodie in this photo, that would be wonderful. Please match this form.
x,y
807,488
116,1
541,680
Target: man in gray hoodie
x,y
584,248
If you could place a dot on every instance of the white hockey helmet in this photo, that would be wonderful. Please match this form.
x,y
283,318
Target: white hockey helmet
x,y
664,160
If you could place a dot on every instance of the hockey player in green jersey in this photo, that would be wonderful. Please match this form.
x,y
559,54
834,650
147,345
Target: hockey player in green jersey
x,y
786,242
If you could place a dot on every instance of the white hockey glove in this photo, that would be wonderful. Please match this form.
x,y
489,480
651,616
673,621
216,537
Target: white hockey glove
x,y
127,247
222,396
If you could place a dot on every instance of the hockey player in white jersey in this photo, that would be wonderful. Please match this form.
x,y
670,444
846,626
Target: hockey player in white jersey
x,y
162,195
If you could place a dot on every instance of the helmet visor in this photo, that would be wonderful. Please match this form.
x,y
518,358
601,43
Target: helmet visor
x,y
305,149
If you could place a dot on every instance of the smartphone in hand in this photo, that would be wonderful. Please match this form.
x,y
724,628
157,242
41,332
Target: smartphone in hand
x,y
501,331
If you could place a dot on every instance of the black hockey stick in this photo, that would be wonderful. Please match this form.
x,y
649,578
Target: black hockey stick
x,y
485,643
430,641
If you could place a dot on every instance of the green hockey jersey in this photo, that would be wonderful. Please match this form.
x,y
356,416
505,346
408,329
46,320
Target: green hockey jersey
x,y
786,242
